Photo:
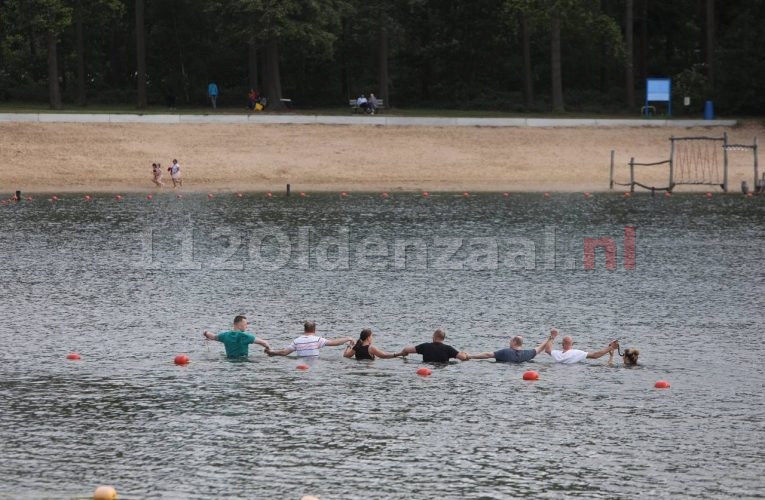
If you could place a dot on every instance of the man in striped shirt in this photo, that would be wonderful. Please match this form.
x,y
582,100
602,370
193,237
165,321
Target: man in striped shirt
x,y
308,344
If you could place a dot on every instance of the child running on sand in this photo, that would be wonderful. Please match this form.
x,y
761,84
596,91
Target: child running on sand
x,y
156,169
175,174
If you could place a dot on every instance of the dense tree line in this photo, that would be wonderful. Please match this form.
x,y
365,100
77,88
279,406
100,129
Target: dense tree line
x,y
510,55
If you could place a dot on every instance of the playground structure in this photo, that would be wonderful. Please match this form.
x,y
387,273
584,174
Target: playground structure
x,y
699,160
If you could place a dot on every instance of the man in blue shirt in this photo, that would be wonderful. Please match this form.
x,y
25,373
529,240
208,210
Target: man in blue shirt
x,y
212,93
515,353
236,341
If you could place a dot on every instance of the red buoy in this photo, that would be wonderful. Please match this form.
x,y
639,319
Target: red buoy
x,y
302,194
627,194
239,195
709,194
748,195
118,197
29,198
466,194
178,196
343,194
384,196
302,367
54,198
73,356
149,197
269,194
530,375
210,196
662,384
182,359
586,195
506,194
87,197
424,372
425,194
667,194
546,195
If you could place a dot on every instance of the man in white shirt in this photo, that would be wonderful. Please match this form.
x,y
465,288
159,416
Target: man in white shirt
x,y
308,344
568,355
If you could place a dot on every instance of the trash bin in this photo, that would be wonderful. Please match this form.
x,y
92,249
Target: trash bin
x,y
709,110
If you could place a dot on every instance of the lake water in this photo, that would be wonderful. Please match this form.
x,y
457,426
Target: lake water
x,y
130,284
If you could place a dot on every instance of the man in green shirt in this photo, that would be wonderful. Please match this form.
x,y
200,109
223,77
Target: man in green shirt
x,y
236,340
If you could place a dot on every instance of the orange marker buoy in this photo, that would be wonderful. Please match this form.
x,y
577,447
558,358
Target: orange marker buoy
x,y
149,197
54,198
667,194
425,194
178,196
269,194
302,194
181,359
118,197
239,195
662,384
384,196
466,194
343,194
530,375
546,195
88,197
627,194
424,372
105,493
210,196
709,194
73,356
506,194
302,367
586,195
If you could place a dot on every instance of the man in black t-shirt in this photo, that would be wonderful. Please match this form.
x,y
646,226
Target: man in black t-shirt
x,y
436,351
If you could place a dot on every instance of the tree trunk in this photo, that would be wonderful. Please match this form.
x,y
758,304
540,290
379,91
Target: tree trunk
x,y
643,67
54,92
80,50
629,66
528,82
711,42
140,49
252,64
382,73
272,78
555,63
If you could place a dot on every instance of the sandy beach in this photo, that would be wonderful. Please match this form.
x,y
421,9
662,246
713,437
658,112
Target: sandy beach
x,y
73,157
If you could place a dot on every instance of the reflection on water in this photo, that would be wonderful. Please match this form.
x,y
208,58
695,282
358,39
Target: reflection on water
x,y
131,284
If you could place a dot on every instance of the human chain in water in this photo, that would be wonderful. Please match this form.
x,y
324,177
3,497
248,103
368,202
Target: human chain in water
x,y
272,248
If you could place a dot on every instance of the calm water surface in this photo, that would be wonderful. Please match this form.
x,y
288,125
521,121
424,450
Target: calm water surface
x,y
131,284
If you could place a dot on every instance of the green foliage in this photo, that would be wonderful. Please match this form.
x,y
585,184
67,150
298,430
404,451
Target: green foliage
x,y
441,53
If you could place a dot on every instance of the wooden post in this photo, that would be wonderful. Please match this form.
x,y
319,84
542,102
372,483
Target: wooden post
x,y
725,162
611,176
632,175
288,190
756,167
671,163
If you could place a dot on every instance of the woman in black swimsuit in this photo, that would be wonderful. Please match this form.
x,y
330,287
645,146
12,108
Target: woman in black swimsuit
x,y
363,349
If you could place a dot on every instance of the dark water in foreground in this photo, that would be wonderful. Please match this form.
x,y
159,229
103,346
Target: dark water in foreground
x,y
129,285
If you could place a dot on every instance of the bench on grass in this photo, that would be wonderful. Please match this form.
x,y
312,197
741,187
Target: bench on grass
x,y
356,109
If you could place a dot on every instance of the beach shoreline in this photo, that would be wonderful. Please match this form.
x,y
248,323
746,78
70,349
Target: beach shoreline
x,y
218,158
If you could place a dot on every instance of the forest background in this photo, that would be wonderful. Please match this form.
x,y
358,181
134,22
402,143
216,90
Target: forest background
x,y
517,56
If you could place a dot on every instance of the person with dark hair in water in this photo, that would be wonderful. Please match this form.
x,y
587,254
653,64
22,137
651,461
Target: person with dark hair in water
x,y
363,348
436,351
236,341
